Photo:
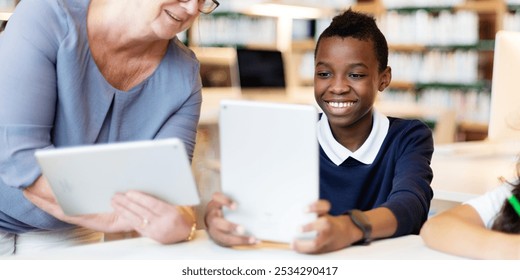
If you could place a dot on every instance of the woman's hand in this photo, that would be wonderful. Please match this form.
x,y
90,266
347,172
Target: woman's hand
x,y
219,229
154,218
41,195
133,210
333,233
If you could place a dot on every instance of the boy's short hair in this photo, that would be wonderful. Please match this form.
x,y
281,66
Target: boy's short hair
x,y
359,26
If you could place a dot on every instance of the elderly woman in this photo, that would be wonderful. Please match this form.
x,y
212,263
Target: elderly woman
x,y
81,72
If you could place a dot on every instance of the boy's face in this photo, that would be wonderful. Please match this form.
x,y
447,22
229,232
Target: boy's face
x,y
347,80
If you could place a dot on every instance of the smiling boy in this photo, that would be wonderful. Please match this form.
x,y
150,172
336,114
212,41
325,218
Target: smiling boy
x,y
375,170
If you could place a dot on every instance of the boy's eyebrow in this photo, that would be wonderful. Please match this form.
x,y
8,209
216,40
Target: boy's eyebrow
x,y
320,63
352,65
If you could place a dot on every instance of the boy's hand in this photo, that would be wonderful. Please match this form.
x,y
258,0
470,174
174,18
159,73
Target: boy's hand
x,y
221,230
333,232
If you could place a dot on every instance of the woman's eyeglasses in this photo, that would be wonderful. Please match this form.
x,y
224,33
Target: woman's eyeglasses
x,y
208,6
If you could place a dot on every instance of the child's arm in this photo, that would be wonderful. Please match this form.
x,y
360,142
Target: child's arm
x,y
338,232
383,221
460,231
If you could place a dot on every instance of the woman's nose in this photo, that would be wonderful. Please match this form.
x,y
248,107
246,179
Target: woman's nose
x,y
191,6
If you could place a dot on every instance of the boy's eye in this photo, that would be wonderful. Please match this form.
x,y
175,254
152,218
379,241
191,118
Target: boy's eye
x,y
356,76
323,74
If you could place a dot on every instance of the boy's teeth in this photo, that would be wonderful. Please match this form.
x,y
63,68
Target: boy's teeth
x,y
341,104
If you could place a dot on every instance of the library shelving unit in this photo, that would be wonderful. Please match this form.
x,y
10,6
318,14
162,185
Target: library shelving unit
x,y
441,52
442,55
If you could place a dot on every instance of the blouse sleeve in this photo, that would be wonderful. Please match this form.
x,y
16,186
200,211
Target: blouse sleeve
x,y
28,50
183,123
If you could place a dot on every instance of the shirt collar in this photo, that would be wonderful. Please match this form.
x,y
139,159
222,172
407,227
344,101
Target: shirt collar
x,y
366,153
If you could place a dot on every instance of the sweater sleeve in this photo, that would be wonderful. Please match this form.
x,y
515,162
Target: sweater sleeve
x,y
411,193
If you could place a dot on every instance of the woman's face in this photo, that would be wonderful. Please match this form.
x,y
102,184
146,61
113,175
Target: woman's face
x,y
170,17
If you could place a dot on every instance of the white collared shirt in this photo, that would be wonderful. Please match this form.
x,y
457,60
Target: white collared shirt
x,y
366,153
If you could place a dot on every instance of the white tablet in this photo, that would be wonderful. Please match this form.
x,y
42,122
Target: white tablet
x,y
269,166
84,179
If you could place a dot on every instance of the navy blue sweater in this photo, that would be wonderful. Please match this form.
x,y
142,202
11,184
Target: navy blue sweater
x,y
398,179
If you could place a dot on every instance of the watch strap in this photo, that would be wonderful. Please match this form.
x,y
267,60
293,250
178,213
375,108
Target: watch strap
x,y
361,221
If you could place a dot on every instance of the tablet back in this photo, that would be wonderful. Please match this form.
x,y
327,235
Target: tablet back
x,y
269,166
85,178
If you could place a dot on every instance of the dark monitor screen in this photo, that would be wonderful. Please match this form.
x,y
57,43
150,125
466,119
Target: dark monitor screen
x,y
260,68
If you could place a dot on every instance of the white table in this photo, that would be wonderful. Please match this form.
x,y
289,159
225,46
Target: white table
x,y
465,170
409,247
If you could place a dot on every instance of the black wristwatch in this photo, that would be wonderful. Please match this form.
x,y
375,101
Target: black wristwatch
x,y
361,221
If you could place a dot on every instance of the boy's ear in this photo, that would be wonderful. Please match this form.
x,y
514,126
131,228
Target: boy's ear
x,y
386,78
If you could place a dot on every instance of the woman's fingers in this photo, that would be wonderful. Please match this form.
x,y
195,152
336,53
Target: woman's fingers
x,y
136,213
148,215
